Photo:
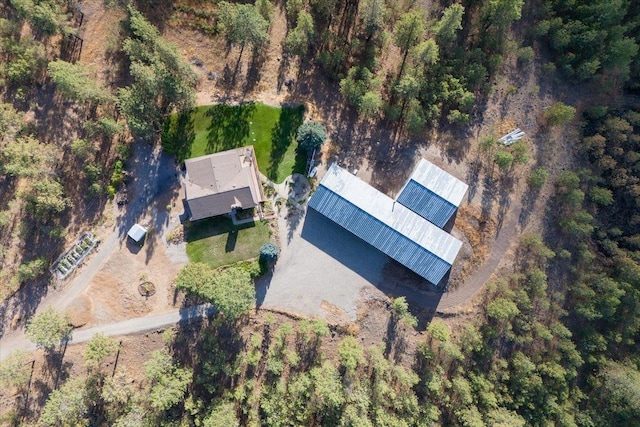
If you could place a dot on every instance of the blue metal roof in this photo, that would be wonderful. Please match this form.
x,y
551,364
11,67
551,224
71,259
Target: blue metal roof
x,y
390,227
426,203
432,193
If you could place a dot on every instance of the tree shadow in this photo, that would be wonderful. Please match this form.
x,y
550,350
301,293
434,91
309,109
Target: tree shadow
x,y
528,202
489,194
256,65
282,136
229,126
178,135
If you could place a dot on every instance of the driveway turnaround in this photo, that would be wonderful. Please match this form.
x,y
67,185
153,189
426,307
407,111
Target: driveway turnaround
x,y
322,263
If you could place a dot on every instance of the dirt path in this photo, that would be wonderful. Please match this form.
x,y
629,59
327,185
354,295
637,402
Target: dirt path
x,y
126,327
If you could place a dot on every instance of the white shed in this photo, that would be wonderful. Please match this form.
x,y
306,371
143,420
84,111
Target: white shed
x,y
137,233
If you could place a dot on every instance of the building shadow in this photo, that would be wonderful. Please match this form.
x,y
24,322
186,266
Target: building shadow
x,y
377,268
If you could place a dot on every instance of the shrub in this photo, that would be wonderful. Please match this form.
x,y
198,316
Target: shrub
x,y
269,252
311,135
538,177
559,114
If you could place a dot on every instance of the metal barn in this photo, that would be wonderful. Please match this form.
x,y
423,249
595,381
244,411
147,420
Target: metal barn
x,y
387,225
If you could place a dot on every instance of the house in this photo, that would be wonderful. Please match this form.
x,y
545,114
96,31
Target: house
x,y
433,194
218,183
386,224
137,234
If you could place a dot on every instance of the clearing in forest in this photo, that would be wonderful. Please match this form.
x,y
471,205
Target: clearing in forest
x,y
214,128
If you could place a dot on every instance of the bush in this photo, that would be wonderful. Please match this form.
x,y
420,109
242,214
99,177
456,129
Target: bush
x,y
525,55
559,114
311,136
538,177
269,252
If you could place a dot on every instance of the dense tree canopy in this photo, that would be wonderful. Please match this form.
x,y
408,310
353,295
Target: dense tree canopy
x,y
163,81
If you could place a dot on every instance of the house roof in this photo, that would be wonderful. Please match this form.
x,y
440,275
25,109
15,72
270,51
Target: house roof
x,y
432,193
137,232
387,225
216,183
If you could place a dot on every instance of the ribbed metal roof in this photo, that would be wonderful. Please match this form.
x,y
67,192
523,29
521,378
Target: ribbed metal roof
x,y
441,183
426,203
380,221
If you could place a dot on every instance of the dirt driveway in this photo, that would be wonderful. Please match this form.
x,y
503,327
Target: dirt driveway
x,y
322,271
155,201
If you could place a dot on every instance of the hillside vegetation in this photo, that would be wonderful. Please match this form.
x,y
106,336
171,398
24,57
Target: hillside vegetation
x,y
554,339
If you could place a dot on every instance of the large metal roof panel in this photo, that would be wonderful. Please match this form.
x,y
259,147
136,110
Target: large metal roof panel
x,y
379,235
426,203
440,182
391,214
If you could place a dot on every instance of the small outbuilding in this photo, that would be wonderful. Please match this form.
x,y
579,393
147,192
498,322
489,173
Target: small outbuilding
x,y
137,234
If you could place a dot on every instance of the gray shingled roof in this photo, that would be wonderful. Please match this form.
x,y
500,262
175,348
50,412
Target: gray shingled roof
x,y
389,226
216,183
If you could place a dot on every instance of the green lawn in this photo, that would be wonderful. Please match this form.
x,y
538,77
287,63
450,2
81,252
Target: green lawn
x,y
217,242
214,128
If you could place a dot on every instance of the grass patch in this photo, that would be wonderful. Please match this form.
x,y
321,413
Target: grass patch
x,y
213,128
217,242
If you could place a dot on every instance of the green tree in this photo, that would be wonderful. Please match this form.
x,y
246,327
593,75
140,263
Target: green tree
x,y
31,270
447,27
193,277
15,371
311,136
46,198
601,196
298,40
10,121
400,309
48,328
328,394
426,53
620,395
538,177
350,353
223,414
233,292
67,406
559,114
242,24
293,8
406,89
98,349
370,104
372,14
26,157
269,252
83,149
503,159
265,7
407,33
76,83
168,381
163,81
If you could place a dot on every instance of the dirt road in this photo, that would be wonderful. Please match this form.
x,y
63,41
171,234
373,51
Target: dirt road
x,y
130,326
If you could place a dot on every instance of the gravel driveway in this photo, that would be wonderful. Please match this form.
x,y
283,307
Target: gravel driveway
x,y
321,266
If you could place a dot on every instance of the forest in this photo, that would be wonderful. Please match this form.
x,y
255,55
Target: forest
x,y
553,340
